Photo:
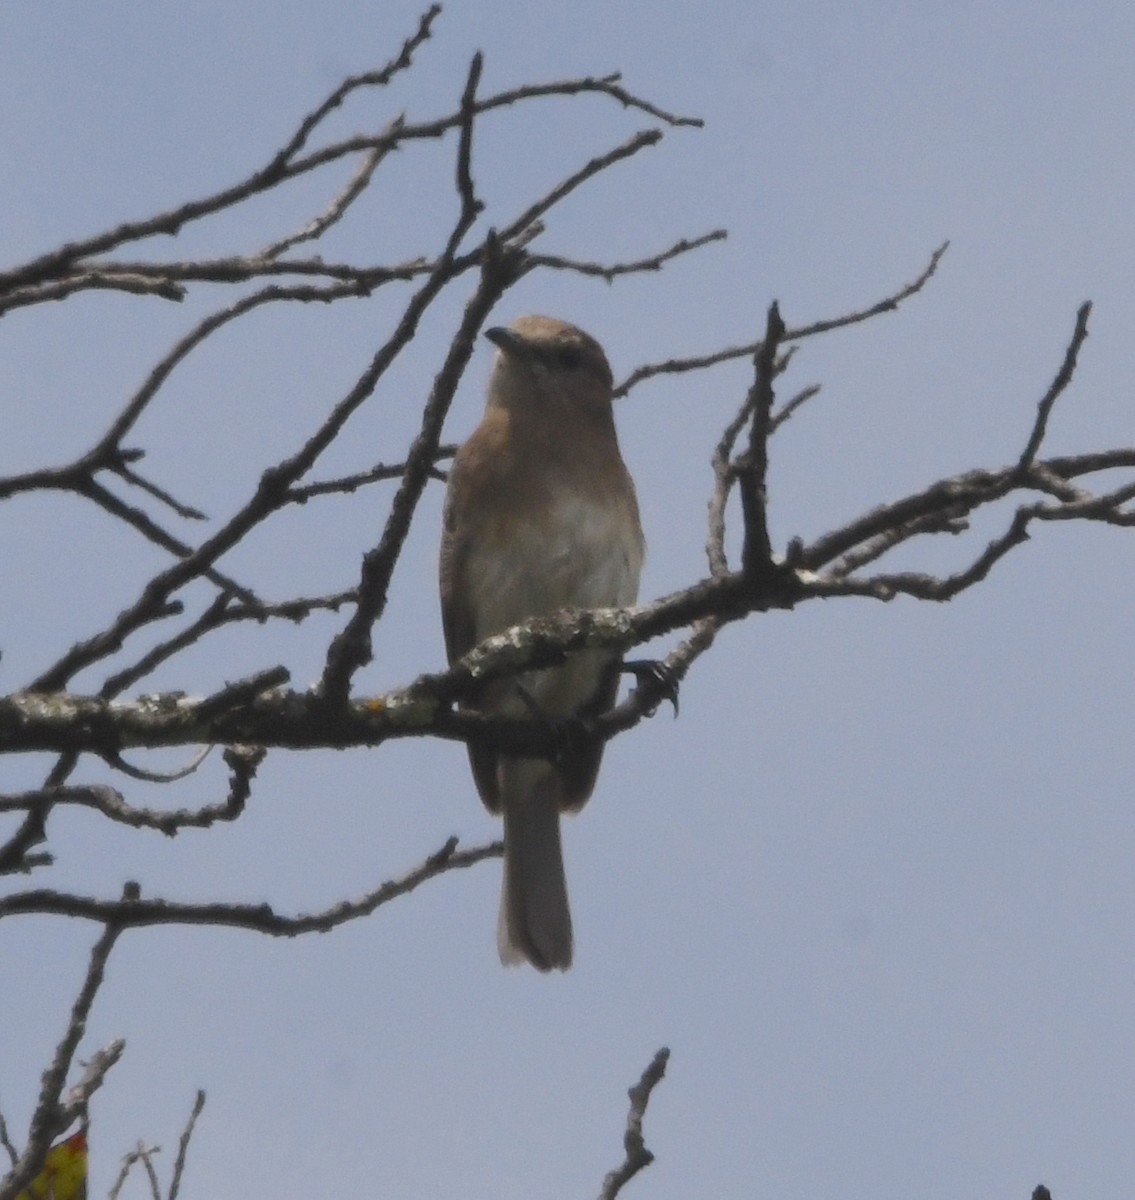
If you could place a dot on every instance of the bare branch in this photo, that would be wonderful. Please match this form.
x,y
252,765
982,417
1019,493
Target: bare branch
x,y
256,918
107,454
220,613
1105,508
153,532
111,804
724,478
334,213
951,497
1062,380
887,304
6,1142
146,1154
610,272
283,165
944,504
677,366
272,294
637,1155
606,85
380,473
271,494
927,587
368,79
74,724
96,796
183,1146
53,1114
46,271
120,764
240,268
351,649
244,691
471,207
752,469
532,214
140,1154
188,512
128,1162
785,411
948,521
136,283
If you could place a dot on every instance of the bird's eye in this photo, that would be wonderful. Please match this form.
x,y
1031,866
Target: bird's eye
x,y
569,357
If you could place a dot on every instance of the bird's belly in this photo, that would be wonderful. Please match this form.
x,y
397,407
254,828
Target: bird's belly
x,y
578,554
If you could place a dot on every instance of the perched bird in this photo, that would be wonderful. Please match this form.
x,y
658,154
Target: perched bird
x,y
540,515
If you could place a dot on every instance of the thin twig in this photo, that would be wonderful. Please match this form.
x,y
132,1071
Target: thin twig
x,y
627,149
337,209
6,1142
140,1154
110,804
114,759
145,525
183,1146
608,85
948,521
610,272
380,473
368,79
220,613
53,1114
785,411
183,510
272,294
256,918
351,648
677,366
146,1154
637,1156
96,796
1062,380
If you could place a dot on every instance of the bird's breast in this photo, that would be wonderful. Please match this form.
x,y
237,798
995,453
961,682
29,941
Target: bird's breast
x,y
569,549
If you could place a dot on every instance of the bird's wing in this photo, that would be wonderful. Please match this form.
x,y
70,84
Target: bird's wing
x,y
458,623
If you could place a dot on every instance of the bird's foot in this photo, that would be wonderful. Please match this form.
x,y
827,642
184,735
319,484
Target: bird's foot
x,y
655,680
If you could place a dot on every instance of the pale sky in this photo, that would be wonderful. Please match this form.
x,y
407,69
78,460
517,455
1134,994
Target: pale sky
x,y
874,887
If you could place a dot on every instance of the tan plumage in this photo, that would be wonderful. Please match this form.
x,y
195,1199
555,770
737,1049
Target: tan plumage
x,y
540,515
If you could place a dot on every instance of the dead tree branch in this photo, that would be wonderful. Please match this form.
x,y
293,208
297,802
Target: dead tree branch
x,y
134,912
634,1145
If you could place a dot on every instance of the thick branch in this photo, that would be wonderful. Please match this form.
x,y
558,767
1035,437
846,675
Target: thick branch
x,y
286,719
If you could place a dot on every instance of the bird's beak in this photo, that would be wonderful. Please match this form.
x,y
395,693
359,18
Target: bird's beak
x,y
506,340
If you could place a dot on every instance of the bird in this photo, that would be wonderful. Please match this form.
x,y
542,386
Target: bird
x,y
540,515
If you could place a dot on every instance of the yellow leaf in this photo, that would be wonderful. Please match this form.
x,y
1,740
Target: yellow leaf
x,y
64,1174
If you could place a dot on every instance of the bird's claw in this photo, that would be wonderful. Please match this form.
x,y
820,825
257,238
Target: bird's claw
x,y
658,681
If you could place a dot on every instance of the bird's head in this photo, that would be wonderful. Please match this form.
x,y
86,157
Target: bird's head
x,y
545,360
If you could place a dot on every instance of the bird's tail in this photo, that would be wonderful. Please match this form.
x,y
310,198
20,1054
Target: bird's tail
x,y
535,921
